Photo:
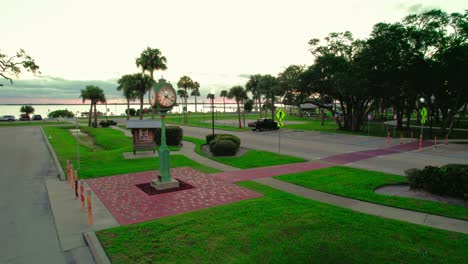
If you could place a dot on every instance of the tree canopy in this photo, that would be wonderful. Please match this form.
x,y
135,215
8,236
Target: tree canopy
x,y
11,66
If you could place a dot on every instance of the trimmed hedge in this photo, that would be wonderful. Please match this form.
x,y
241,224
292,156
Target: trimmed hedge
x,y
107,123
450,180
174,135
211,137
223,144
221,147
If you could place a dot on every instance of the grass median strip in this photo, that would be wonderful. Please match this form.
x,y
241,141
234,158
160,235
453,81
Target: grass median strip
x,y
280,228
108,159
250,159
360,184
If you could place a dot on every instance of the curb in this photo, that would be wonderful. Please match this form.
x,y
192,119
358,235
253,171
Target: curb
x,y
61,174
96,249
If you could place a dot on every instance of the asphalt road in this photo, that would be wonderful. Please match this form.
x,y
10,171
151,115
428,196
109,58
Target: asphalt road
x,y
312,145
27,227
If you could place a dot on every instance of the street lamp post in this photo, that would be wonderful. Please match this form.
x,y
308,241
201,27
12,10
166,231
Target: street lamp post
x,y
422,105
431,110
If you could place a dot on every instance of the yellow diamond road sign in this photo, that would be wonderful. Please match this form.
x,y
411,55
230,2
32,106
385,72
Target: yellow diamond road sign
x,y
280,115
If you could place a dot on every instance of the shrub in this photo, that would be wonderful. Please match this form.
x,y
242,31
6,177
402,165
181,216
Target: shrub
x,y
221,147
174,135
60,113
450,180
232,138
211,137
132,111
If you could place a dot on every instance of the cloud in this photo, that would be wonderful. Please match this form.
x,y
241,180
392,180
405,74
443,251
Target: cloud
x,y
54,88
415,8
244,75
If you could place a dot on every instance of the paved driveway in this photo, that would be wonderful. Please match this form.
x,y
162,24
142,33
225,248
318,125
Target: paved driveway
x,y
27,227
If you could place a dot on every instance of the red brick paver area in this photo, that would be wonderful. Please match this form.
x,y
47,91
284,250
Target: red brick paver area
x,y
367,154
131,205
263,172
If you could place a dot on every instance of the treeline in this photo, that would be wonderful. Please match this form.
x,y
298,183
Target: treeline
x,y
420,61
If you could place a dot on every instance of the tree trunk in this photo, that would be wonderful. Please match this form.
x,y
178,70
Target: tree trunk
x,y
141,107
186,108
260,105
195,104
243,116
152,109
90,115
128,109
323,116
224,104
273,107
95,115
238,114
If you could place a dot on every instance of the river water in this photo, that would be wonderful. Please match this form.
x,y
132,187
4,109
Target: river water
x,y
112,109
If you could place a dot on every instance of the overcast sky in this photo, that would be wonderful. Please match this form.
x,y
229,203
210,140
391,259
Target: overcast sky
x,y
217,43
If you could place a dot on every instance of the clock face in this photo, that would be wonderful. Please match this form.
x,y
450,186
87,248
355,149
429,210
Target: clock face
x,y
166,97
152,97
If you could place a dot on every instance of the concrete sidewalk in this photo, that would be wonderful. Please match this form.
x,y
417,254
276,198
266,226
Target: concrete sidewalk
x,y
71,222
370,208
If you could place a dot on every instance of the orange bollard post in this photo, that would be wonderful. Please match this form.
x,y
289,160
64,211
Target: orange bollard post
x,y
70,177
90,209
82,195
68,171
75,185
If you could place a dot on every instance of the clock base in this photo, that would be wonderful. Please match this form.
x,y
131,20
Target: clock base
x,y
159,185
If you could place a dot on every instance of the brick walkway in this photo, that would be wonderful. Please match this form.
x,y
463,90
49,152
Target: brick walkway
x,y
263,172
128,204
341,159
367,154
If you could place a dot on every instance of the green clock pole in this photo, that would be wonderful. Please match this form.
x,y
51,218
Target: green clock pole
x,y
163,151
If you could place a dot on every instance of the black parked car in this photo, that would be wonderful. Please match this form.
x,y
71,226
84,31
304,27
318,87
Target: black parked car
x,y
263,124
37,117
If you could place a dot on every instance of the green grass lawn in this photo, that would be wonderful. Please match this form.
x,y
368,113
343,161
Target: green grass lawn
x,y
280,228
250,159
108,160
360,184
31,123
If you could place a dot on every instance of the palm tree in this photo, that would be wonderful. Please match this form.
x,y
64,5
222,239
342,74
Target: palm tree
x,y
253,86
128,86
182,95
185,82
224,94
95,95
195,92
268,85
151,60
142,84
27,109
239,94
